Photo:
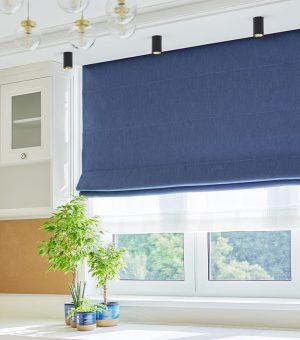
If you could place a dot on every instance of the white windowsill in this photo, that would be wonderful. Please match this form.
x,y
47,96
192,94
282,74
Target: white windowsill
x,y
236,312
208,302
9,300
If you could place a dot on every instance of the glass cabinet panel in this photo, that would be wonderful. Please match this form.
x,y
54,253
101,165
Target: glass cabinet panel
x,y
26,120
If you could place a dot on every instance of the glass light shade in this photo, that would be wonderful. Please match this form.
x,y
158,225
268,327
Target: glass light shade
x,y
82,39
10,6
121,11
120,31
28,40
73,6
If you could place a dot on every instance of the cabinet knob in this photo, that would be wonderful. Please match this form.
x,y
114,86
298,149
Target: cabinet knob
x,y
23,155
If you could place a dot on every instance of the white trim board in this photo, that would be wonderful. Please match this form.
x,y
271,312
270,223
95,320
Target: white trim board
x,y
25,213
209,302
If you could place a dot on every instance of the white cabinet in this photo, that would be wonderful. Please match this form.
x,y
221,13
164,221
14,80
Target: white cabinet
x,y
25,120
37,119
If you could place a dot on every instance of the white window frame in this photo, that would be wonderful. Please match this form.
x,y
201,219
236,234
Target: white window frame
x,y
197,281
166,288
263,289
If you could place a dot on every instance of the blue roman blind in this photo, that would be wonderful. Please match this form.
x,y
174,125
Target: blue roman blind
x,y
213,117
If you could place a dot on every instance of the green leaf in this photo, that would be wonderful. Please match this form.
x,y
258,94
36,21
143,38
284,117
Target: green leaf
x,y
72,236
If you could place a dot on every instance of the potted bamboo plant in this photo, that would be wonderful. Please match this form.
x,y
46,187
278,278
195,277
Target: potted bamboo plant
x,y
72,237
105,263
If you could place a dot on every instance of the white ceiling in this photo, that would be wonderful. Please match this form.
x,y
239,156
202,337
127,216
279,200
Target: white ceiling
x,y
183,23
49,15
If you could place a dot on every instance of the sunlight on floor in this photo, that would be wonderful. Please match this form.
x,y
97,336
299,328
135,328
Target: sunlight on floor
x,y
46,330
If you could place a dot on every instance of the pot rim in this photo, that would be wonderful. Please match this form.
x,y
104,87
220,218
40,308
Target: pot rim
x,y
111,303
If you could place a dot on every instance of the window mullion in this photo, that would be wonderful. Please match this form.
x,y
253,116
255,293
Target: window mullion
x,y
201,263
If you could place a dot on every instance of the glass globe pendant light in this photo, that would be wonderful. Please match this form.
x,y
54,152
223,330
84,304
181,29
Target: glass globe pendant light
x,y
121,31
10,6
73,6
121,11
28,36
82,34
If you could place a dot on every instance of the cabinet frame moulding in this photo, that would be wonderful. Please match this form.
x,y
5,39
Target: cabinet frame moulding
x,y
25,213
26,72
8,91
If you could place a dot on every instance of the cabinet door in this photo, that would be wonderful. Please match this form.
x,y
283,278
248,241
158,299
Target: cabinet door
x,y
25,120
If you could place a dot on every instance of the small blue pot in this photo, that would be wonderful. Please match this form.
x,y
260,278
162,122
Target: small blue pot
x,y
73,321
68,308
109,317
86,321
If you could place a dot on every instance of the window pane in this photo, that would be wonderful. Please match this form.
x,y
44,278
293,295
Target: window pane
x,y
250,255
26,124
153,257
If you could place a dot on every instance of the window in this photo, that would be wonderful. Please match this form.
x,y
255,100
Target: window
x,y
153,257
250,256
235,243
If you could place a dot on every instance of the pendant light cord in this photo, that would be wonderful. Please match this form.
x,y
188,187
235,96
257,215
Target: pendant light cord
x,y
28,8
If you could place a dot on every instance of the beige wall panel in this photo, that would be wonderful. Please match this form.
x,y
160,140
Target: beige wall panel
x,y
22,270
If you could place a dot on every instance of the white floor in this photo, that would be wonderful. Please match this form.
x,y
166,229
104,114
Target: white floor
x,y
22,329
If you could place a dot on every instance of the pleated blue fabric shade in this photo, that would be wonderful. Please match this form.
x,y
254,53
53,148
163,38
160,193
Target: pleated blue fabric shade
x,y
213,117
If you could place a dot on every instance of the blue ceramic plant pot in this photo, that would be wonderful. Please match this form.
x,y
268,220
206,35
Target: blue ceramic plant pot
x,y
109,317
86,321
73,321
68,308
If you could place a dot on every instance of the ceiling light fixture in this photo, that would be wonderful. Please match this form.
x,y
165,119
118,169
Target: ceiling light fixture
x,y
120,31
73,6
121,11
157,44
28,36
121,15
68,60
10,6
82,34
258,27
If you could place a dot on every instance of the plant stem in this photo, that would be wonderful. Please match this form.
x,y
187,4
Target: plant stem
x,y
75,275
105,294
